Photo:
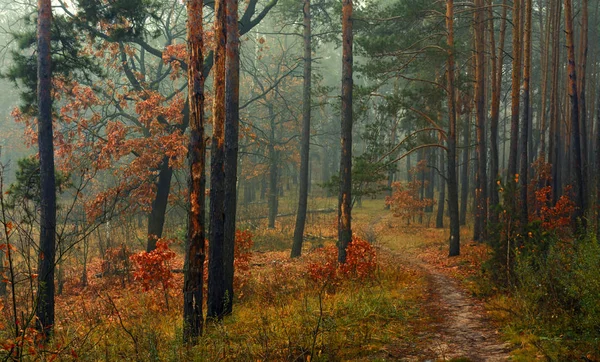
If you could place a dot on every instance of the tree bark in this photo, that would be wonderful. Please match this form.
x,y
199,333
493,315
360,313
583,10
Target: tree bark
x,y
156,218
46,266
345,195
554,135
273,199
454,243
216,278
305,140
575,131
430,189
232,122
583,128
464,184
481,176
194,251
544,54
515,97
523,177
497,62
439,220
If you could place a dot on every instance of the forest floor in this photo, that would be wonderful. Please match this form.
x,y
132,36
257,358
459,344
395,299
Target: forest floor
x,y
458,326
417,305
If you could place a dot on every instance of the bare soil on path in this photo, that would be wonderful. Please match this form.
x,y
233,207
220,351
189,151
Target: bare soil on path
x,y
463,330
457,327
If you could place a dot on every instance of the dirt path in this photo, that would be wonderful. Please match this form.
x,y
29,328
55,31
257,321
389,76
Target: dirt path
x,y
459,328
462,329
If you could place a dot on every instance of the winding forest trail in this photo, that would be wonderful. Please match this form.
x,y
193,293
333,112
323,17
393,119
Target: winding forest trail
x,y
457,326
462,330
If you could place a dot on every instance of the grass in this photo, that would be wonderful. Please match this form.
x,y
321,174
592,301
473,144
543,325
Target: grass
x,y
280,312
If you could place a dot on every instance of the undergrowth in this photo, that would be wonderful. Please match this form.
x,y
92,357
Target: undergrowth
x,y
304,309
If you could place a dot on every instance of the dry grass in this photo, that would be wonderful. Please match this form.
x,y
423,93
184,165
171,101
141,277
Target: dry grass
x,y
280,313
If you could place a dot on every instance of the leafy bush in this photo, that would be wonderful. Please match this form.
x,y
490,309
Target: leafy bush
x,y
361,263
152,268
558,287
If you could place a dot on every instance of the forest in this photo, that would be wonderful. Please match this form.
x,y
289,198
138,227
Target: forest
x,y
300,180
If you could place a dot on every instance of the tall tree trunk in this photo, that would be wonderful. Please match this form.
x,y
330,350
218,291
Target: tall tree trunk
x,y
481,176
544,55
305,141
583,130
273,197
422,158
156,218
216,278
497,62
430,189
232,122
273,189
464,184
523,178
194,251
575,132
554,135
516,79
598,166
454,243
439,219
45,297
345,196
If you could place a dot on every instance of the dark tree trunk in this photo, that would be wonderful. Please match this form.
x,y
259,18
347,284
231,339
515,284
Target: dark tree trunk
x,y
575,132
422,182
523,177
45,297
454,243
305,140
481,176
583,129
439,220
193,319
156,218
345,196
429,191
598,166
516,79
232,121
273,200
497,62
464,192
554,148
216,278
273,190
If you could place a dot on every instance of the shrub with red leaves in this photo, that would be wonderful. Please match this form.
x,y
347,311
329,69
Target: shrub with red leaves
x,y
152,268
361,263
